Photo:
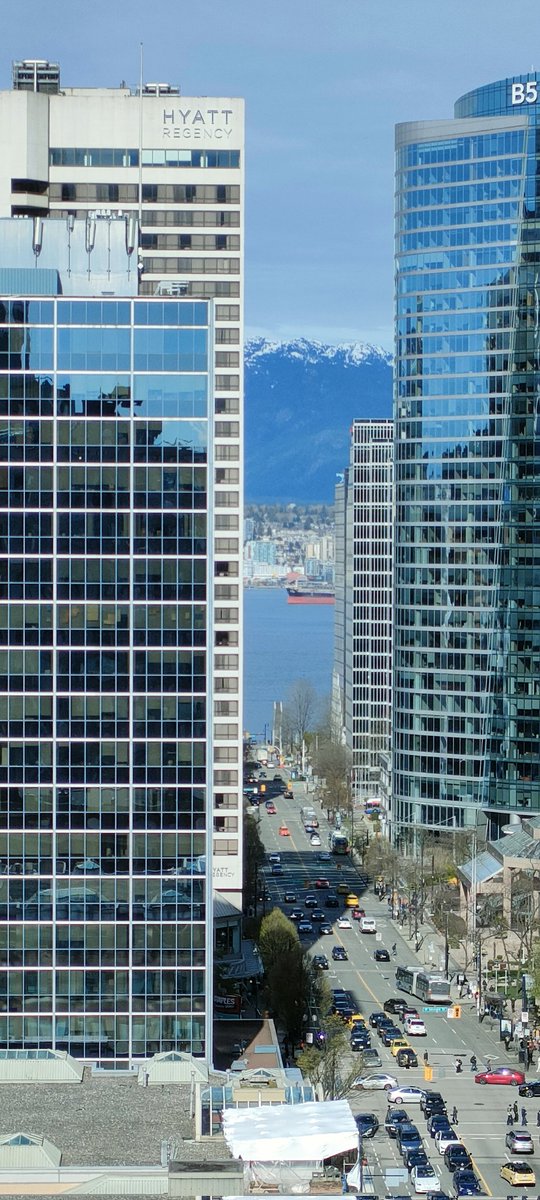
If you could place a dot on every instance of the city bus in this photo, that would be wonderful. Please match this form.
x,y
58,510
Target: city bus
x,y
432,989
339,844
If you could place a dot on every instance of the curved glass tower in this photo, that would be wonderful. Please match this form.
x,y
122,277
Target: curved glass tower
x,y
467,469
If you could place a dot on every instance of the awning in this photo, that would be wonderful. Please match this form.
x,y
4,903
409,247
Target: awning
x,y
290,1132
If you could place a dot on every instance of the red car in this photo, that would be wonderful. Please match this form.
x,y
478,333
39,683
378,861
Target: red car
x,y
322,883
501,1075
271,810
357,913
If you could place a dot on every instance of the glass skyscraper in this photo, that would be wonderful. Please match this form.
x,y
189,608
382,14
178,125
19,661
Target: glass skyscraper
x,y
466,719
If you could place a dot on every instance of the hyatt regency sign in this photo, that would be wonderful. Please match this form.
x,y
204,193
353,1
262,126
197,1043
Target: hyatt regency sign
x,y
198,124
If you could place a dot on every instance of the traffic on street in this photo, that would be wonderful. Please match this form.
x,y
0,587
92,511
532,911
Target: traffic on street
x,y
442,1107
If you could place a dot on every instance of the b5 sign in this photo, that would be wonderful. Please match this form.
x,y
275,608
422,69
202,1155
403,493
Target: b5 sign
x,y
525,93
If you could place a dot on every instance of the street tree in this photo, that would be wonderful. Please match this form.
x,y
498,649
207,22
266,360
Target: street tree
x,y
332,762
254,857
300,710
327,1065
278,937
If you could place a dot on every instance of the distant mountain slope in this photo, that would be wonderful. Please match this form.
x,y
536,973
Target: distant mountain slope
x,y
301,397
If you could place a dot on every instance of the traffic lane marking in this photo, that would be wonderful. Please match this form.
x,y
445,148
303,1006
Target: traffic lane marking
x,y
481,1177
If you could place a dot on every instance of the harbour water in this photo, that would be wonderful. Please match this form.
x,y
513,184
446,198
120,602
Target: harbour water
x,y
282,643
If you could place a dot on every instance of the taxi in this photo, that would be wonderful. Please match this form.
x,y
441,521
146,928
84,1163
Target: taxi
x,y
399,1044
351,900
518,1174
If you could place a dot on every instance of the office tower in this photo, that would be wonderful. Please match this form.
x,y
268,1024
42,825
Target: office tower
x,y
363,637
466,721
134,485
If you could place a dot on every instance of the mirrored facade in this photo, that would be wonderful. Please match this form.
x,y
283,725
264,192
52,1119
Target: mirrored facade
x,y
467,463
105,569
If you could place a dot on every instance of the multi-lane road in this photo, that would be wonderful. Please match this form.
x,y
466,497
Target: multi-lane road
x,y
482,1111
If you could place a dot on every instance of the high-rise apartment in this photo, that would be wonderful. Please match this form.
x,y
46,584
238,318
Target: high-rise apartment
x,y
120,698
363,637
466,721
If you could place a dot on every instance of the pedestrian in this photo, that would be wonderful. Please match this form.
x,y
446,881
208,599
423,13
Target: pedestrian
x,y
459,1066
524,1117
516,1110
510,1117
538,1119
426,1058
455,1119
474,1062
488,1065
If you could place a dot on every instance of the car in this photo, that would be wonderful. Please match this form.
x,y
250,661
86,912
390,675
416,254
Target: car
x,y
339,954
311,901
322,882
276,869
288,794
379,1081
457,1157
531,1087
465,1183
519,1174
368,925
371,1057
381,955
502,1075
358,1021
344,923
415,1027
305,927
398,1043
351,900
394,1006
264,896
343,1009
374,1019
289,898
343,889
401,1094
395,1117
271,809
361,1036
324,857
389,1035
519,1141
317,916
415,1157
284,831
430,1098
296,914
358,1045
357,913
445,1138
367,1124
315,839
408,1138
331,902
437,1121
325,927
321,962
424,1180
274,858
406,1057
339,993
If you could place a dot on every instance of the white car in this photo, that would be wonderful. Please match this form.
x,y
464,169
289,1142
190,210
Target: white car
x,y
315,839
445,1138
344,923
415,1027
424,1180
405,1095
378,1082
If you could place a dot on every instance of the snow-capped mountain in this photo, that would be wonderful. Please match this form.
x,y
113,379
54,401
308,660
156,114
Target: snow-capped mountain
x,y
301,397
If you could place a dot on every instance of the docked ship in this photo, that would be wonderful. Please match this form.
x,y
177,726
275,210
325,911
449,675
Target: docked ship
x,y
306,591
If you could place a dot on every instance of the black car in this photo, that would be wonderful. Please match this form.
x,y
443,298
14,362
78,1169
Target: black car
x,y
374,1019
437,1108
331,902
360,1041
457,1157
430,1098
324,927
395,1117
394,1006
381,955
320,961
317,916
531,1087
406,1058
339,954
437,1121
296,914
407,1136
311,902
367,1124
289,898
415,1158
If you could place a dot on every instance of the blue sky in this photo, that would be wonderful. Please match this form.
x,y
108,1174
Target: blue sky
x,y
324,82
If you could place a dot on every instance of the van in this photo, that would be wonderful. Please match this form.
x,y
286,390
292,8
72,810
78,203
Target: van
x,y
368,925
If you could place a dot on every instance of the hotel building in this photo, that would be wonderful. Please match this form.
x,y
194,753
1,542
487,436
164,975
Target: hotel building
x,y
120,555
466,719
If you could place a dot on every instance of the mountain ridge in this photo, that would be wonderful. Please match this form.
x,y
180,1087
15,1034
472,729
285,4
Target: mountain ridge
x,y
301,397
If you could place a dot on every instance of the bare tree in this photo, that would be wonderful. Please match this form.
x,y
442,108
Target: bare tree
x,y
300,710
332,763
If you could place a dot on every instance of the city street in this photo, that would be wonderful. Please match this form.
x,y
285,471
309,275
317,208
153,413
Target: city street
x,y
482,1110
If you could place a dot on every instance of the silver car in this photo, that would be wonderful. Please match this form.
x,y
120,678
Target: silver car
x,y
519,1141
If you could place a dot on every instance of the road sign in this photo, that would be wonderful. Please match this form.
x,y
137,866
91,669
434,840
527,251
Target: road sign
x,y
438,1008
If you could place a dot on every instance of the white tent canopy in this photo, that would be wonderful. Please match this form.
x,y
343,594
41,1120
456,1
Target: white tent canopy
x,y
291,1132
